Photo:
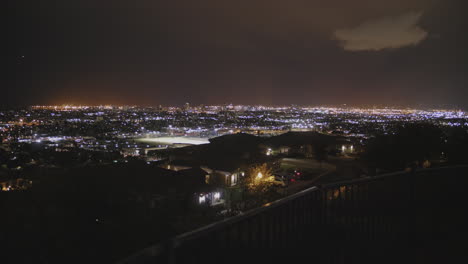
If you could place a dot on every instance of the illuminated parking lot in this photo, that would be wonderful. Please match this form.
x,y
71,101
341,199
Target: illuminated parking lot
x,y
174,140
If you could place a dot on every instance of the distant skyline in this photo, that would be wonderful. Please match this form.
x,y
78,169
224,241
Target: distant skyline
x,y
447,107
146,52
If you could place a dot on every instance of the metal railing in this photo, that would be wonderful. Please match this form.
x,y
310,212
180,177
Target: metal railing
x,y
385,219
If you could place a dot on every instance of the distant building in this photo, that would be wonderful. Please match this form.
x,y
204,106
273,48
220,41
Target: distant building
x,y
186,107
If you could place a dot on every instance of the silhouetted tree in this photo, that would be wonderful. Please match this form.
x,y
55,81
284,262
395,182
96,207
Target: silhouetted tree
x,y
410,143
320,153
456,147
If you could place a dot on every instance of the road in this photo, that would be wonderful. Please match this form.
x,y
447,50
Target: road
x,y
334,170
313,171
346,168
305,164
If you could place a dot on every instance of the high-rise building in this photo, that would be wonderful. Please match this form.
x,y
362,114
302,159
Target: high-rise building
x,y
186,107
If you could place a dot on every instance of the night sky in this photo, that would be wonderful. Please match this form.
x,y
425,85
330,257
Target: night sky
x,y
272,52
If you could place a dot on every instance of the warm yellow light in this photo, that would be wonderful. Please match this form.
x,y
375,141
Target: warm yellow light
x,y
259,175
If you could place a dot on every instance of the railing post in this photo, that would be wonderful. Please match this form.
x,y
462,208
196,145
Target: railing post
x,y
411,216
171,254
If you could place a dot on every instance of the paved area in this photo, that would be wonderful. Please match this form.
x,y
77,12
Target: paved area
x,y
313,171
305,164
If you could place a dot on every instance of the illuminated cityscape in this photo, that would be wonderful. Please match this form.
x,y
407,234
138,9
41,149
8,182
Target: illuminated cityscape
x,y
57,123
174,132
196,165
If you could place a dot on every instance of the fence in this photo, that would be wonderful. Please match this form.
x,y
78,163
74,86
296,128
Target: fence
x,y
401,217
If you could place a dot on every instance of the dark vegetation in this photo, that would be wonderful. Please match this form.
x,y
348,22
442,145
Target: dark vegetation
x,y
417,146
97,214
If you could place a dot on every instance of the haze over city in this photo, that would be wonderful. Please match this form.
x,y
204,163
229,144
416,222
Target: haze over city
x,y
362,52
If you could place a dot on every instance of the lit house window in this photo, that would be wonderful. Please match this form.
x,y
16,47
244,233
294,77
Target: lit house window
x,y
201,199
207,179
233,179
216,198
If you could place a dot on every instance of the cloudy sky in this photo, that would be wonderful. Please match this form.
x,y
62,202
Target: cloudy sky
x,y
306,52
